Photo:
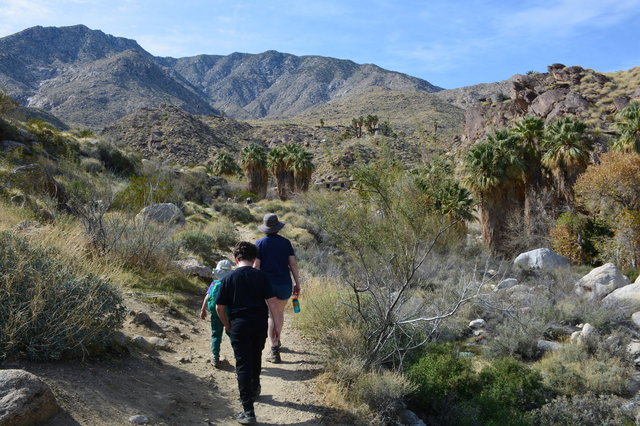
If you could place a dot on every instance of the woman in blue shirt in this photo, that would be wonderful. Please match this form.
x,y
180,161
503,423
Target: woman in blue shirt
x,y
277,259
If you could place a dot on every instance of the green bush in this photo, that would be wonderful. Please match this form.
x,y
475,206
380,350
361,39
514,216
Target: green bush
x,y
114,160
143,191
47,310
508,389
198,243
443,379
583,410
224,233
237,213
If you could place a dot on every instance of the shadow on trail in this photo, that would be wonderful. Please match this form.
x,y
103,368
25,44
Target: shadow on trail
x,y
321,411
112,390
291,376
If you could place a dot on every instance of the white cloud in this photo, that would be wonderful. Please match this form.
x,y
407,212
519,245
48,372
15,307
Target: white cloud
x,y
25,10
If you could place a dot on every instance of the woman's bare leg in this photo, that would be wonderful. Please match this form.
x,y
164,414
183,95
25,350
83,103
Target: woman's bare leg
x,y
277,321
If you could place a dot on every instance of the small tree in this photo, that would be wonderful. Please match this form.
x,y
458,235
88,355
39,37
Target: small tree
x,y
254,162
385,238
628,126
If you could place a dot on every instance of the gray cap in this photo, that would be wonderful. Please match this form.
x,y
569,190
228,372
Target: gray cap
x,y
223,268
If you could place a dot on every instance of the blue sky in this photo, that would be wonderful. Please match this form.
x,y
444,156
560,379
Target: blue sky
x,y
449,43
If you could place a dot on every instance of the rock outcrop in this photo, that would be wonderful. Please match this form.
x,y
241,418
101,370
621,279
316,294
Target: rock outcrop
x,y
601,281
542,259
25,399
164,214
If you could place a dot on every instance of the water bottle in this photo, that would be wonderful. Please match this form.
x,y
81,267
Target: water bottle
x,y
296,304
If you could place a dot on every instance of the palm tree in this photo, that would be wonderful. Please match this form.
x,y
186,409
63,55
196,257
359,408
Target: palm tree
x,y
493,172
276,163
225,165
530,131
253,159
629,128
302,166
568,150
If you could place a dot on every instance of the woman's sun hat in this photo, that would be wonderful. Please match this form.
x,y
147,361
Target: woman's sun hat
x,y
223,268
270,224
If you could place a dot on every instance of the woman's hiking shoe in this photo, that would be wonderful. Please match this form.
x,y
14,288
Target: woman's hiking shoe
x,y
274,356
246,418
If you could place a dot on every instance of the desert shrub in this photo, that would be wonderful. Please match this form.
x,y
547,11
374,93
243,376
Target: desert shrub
x,y
572,370
114,160
508,390
91,165
198,243
237,213
583,410
47,310
51,139
443,379
223,232
323,308
143,191
145,246
384,393
276,206
517,337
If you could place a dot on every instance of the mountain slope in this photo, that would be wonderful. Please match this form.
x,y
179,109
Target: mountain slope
x,y
89,78
280,85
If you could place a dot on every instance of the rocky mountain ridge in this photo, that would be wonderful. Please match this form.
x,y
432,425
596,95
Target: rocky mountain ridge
x,y
88,78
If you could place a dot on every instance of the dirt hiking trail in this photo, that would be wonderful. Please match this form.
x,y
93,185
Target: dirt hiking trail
x,y
178,385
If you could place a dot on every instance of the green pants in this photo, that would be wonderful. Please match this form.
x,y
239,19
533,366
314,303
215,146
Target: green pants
x,y
216,335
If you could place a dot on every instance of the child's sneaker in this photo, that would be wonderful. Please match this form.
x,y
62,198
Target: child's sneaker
x,y
217,363
246,418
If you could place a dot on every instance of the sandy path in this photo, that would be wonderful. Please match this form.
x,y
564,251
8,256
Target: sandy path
x,y
179,386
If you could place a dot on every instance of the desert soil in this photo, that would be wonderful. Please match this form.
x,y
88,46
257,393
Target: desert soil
x,y
180,386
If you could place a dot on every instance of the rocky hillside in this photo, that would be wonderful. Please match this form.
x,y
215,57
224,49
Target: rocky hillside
x,y
279,85
88,78
168,133
563,90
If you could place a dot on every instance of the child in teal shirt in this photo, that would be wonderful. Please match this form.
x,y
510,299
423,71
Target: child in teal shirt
x,y
223,268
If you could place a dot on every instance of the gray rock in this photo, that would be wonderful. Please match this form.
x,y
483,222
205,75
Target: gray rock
x,y
600,282
574,103
581,337
164,213
119,338
506,283
191,266
142,343
629,293
139,420
477,323
159,343
633,348
409,418
549,346
620,102
518,288
25,399
543,104
542,258
635,318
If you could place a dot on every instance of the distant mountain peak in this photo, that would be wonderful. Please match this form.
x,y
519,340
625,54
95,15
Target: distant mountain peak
x,y
66,70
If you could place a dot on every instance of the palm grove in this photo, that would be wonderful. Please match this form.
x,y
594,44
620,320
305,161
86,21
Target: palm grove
x,y
511,169
290,165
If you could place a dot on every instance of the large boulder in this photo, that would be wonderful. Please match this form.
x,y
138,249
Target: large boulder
x,y
629,293
601,281
164,213
25,399
542,258
191,266
35,179
543,104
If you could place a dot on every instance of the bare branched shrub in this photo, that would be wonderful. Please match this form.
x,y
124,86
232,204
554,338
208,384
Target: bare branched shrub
x,y
386,238
527,233
583,410
47,309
